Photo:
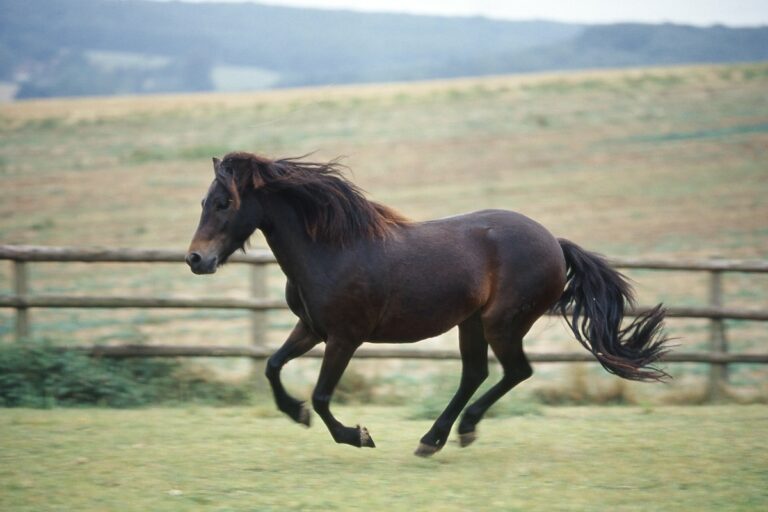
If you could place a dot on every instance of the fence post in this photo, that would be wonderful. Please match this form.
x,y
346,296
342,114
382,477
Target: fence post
x,y
21,288
718,372
258,318
258,291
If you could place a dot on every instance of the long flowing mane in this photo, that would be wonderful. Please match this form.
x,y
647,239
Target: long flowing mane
x,y
334,209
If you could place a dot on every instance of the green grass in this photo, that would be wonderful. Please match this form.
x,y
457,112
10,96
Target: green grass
x,y
714,133
228,459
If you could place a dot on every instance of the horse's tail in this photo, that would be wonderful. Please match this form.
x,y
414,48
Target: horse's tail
x,y
593,305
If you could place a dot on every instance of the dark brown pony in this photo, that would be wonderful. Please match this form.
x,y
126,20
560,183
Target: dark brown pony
x,y
359,272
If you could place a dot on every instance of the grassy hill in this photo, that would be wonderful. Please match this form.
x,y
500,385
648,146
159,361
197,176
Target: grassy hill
x,y
645,161
667,162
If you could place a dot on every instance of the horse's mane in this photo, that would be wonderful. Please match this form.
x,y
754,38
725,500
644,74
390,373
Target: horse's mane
x,y
334,209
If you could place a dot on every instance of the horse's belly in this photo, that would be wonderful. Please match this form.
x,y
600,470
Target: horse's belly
x,y
409,332
424,317
429,296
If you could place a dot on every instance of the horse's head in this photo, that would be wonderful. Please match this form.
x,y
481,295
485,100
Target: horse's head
x,y
230,216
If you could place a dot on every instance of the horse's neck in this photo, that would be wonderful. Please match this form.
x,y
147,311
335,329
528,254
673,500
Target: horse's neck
x,y
296,253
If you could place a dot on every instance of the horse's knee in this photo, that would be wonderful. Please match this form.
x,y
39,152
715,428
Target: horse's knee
x,y
481,374
320,402
475,376
526,371
272,371
519,372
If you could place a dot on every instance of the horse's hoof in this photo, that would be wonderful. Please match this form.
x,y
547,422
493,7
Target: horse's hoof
x,y
304,416
366,441
467,438
425,450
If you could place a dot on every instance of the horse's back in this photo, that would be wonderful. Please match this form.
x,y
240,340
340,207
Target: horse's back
x,y
504,236
440,272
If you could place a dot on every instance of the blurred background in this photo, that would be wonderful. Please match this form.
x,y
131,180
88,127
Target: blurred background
x,y
51,48
634,131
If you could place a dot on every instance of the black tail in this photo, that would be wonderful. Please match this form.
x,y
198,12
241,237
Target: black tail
x,y
593,305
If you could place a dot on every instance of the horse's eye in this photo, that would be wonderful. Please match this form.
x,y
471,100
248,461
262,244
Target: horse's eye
x,y
223,205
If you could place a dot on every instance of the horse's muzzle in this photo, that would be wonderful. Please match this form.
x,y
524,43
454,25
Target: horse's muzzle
x,y
200,264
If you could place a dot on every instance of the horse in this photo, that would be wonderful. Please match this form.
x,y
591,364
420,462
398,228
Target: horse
x,y
357,271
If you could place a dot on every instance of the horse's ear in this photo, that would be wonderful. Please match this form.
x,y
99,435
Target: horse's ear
x,y
219,171
257,178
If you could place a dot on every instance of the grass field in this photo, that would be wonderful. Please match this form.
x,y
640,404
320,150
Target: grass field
x,y
650,161
227,459
665,162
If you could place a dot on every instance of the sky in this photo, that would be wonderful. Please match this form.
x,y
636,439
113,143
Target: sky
x,y
694,12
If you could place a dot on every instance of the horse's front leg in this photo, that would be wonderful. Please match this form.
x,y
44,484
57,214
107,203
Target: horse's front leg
x,y
338,352
298,343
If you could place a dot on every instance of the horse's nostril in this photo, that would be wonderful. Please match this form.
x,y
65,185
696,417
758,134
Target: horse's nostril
x,y
194,258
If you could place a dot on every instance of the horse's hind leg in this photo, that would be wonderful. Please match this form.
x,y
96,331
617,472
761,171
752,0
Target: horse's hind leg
x,y
474,358
509,351
298,343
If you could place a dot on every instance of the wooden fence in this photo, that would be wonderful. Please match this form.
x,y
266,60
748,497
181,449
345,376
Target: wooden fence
x,y
718,356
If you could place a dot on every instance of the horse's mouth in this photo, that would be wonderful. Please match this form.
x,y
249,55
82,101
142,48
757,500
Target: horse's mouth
x,y
204,271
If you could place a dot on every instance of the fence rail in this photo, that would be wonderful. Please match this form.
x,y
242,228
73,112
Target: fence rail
x,y
257,352
22,300
256,304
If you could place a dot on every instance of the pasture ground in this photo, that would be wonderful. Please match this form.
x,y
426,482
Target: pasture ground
x,y
667,162
226,459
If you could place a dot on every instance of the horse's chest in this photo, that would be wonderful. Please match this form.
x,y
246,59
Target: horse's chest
x,y
297,302
348,308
